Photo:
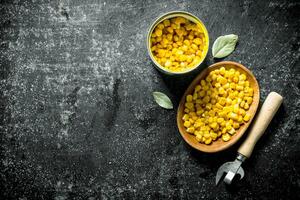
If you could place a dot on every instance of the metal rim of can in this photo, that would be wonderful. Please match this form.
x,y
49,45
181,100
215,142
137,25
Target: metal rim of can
x,y
169,15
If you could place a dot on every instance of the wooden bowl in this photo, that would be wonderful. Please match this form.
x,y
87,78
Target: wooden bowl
x,y
219,144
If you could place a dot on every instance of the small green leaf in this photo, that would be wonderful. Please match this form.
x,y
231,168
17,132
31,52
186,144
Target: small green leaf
x,y
224,45
162,100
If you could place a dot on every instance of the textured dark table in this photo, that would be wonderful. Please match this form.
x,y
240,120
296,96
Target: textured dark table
x,y
78,120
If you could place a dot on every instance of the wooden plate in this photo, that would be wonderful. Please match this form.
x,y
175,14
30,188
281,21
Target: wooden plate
x,y
219,144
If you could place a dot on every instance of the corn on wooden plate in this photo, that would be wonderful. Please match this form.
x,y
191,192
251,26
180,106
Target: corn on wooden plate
x,y
219,144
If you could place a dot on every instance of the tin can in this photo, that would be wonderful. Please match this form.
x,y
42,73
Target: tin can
x,y
189,17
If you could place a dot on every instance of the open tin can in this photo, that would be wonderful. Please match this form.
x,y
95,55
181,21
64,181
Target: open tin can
x,y
189,17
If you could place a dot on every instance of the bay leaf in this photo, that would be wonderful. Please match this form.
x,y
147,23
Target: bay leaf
x,y
162,100
224,45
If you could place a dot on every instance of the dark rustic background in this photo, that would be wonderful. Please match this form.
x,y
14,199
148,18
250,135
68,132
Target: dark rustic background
x,y
78,120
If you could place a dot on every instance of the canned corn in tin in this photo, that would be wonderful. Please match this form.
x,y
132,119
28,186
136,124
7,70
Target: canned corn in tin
x,y
177,42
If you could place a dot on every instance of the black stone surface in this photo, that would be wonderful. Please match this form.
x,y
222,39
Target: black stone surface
x,y
78,120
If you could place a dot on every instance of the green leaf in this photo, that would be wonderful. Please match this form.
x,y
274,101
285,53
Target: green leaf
x,y
162,100
224,45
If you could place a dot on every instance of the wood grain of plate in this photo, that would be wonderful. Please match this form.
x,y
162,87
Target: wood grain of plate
x,y
219,144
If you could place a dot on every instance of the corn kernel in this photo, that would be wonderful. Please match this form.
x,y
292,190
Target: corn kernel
x,y
240,119
246,106
197,88
233,116
190,129
249,100
236,125
226,137
242,112
247,117
187,124
189,105
236,108
232,131
220,120
208,140
199,137
213,135
206,134
189,98
186,117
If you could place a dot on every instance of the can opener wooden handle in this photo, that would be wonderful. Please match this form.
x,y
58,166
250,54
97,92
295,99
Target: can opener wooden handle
x,y
260,123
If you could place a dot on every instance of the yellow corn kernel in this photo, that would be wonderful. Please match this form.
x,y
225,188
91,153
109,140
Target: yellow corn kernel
x,y
208,140
249,100
235,79
241,94
242,77
240,119
197,41
158,32
197,124
246,106
189,105
211,113
213,125
189,98
213,101
206,134
223,81
191,120
202,93
247,117
223,114
232,131
192,114
210,120
220,120
242,104
236,125
195,96
222,70
186,117
236,108
194,46
221,90
199,112
227,109
247,84
240,88
217,85
222,101
186,110
224,130
187,124
194,118
219,106
213,135
226,137
226,86
198,137
190,129
197,88
242,112
206,99
228,127
233,116
250,92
